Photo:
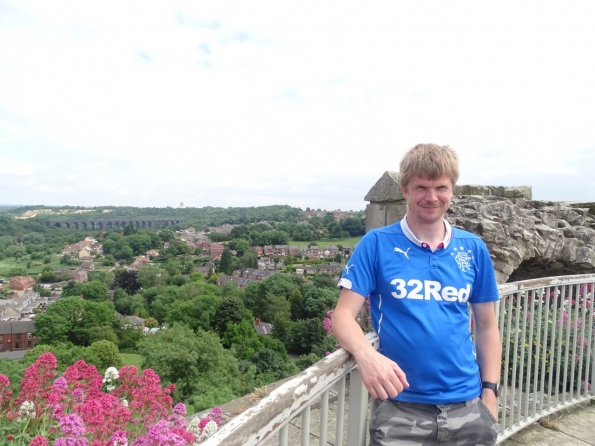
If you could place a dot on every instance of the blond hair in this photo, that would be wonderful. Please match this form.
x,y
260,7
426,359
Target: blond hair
x,y
429,161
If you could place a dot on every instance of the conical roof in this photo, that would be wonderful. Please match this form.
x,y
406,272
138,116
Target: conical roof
x,y
387,188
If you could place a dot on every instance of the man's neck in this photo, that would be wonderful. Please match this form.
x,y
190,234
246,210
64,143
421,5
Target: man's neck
x,y
431,233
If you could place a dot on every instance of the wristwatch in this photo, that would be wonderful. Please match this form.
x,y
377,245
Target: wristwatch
x,y
494,386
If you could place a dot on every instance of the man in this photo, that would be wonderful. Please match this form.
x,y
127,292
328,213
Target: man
x,y
429,384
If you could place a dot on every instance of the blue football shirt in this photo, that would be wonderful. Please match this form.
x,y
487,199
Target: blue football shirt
x,y
419,303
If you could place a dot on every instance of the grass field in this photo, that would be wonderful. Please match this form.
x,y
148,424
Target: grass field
x,y
350,241
132,359
9,263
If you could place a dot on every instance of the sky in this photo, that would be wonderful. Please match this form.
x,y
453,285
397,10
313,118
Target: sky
x,y
252,103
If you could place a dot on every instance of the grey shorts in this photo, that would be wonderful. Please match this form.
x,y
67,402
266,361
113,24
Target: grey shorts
x,y
460,424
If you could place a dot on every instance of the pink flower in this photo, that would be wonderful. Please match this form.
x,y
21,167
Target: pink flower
x,y
71,441
72,424
119,438
180,409
39,441
60,383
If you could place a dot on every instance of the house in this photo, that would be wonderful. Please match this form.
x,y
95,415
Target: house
x,y
85,254
207,269
21,283
332,250
333,269
58,285
142,260
263,328
216,250
88,265
16,335
152,253
268,251
282,250
138,323
293,250
258,250
21,305
313,251
79,276
256,274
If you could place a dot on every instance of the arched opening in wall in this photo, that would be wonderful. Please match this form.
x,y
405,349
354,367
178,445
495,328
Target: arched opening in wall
x,y
539,267
57,225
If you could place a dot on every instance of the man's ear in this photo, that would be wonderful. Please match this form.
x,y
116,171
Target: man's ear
x,y
403,189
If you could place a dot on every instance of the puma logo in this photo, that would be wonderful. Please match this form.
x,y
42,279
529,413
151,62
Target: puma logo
x,y
405,253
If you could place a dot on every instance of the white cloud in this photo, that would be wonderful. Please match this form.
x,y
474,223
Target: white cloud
x,y
254,103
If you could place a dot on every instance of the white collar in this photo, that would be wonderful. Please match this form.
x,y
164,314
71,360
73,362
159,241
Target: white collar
x,y
411,236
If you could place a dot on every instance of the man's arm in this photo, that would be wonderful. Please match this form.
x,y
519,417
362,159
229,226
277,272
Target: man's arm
x,y
382,377
489,350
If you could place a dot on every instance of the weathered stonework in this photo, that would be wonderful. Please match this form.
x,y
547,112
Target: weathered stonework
x,y
526,238
529,239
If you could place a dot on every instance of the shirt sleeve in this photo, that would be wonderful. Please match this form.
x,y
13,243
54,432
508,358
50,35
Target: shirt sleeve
x,y
485,288
359,274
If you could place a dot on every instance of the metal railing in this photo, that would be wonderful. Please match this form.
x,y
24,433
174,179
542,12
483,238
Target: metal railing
x,y
548,364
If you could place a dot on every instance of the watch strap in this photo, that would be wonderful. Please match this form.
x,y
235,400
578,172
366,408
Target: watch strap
x,y
493,386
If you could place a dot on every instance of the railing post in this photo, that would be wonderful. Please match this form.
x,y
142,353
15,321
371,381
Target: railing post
x,y
358,410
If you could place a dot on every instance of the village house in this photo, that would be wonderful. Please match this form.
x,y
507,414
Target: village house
x,y
206,269
20,305
268,251
138,323
16,335
263,328
242,282
84,254
332,250
216,250
281,250
88,265
293,250
21,283
258,250
256,274
152,253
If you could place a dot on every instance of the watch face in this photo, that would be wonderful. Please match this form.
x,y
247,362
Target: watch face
x,y
493,386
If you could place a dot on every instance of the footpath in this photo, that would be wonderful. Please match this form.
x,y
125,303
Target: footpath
x,y
572,427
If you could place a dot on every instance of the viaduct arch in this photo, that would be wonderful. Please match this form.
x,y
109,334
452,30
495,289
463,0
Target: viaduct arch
x,y
97,225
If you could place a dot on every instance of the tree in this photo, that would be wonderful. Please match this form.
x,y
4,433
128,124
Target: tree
x,y
48,275
150,276
305,334
230,309
102,334
240,245
70,319
354,226
151,322
107,353
188,360
319,300
129,230
225,266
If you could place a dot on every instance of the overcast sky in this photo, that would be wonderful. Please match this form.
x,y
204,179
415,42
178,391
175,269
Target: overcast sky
x,y
153,103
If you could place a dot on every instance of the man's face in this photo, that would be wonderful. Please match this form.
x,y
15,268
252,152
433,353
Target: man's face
x,y
427,200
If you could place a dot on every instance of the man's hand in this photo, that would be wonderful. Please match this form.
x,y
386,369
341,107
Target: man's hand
x,y
382,377
490,399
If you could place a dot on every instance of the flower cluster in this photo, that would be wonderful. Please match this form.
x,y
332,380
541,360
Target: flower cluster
x,y
80,408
